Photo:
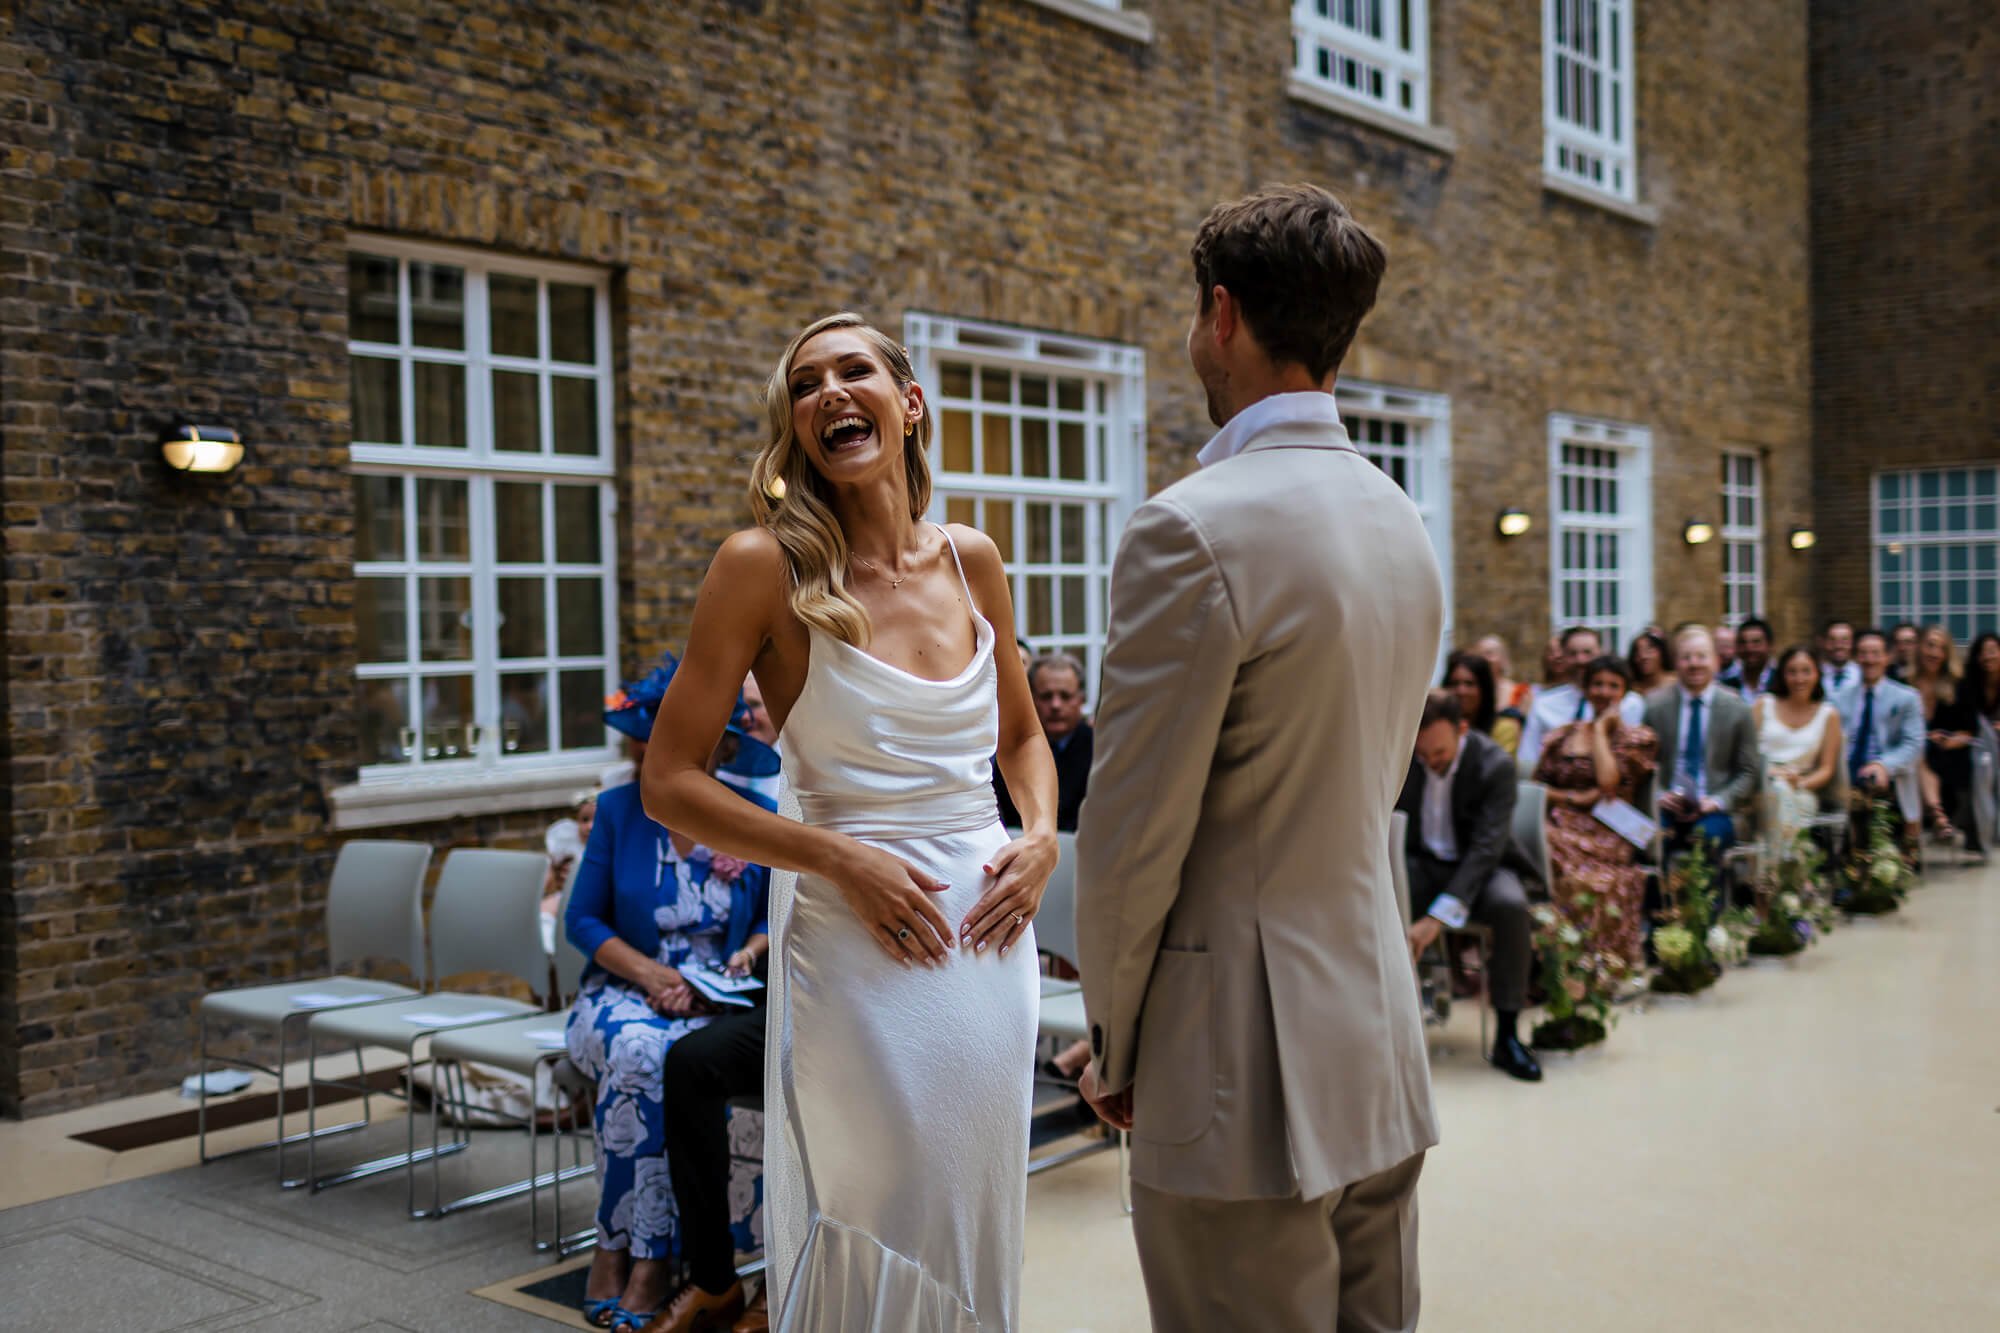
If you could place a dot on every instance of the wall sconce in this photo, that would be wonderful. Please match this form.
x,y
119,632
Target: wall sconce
x,y
202,449
1804,539
1514,522
1698,532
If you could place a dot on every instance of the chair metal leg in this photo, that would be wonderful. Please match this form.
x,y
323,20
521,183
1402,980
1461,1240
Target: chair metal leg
x,y
201,1108
1125,1171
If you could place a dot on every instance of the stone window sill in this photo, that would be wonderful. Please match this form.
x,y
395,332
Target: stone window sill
x,y
1428,136
1137,27
1583,194
392,802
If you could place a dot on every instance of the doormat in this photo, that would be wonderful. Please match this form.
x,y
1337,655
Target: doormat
x,y
225,1115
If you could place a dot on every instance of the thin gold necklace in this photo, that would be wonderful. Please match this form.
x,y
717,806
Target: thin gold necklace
x,y
877,570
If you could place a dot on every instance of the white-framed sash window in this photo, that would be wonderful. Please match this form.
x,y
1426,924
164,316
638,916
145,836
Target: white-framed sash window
x,y
482,465
1937,548
1587,99
1040,444
1407,433
1372,52
1742,536
1601,533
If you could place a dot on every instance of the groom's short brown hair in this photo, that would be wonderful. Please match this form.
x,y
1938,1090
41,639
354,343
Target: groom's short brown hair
x,y
1300,267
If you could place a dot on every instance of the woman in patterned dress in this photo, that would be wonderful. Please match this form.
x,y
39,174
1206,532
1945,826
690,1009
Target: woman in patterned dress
x,y
1583,763
648,904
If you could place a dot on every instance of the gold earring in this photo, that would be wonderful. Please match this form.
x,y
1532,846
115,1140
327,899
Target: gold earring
x,y
909,427
775,488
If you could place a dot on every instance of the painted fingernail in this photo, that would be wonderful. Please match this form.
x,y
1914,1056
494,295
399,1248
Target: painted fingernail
x,y
1003,950
979,947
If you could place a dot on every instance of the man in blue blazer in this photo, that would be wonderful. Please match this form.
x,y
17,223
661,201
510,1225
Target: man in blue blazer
x,y
1884,722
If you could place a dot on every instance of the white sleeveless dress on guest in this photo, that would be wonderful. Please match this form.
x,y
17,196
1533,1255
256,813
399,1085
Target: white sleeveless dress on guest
x,y
1790,809
898,1098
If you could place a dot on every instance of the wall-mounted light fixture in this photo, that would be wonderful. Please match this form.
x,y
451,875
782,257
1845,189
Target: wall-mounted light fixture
x,y
1514,522
189,448
1804,539
1698,532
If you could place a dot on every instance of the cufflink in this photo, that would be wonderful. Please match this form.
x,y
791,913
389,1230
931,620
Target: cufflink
x,y
1096,1039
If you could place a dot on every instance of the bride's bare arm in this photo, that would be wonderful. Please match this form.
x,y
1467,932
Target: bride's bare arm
x,y
741,600
1021,869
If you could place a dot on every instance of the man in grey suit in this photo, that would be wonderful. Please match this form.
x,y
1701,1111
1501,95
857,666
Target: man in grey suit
x,y
1883,720
1709,755
1464,866
1274,619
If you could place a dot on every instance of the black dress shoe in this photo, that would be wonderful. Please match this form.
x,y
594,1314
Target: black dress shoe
x,y
1511,1058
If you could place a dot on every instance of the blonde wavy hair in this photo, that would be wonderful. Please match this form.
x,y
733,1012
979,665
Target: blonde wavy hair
x,y
790,497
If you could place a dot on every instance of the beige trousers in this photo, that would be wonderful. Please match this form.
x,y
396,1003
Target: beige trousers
x,y
1342,1263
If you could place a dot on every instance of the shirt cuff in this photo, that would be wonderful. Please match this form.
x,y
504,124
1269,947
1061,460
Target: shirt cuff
x,y
1449,910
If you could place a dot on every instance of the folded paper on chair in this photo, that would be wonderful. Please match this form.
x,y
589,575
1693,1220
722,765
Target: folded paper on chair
x,y
1628,821
721,987
318,999
219,1081
453,1020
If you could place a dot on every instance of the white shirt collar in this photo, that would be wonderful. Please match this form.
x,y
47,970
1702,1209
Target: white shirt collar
x,y
1707,696
1309,408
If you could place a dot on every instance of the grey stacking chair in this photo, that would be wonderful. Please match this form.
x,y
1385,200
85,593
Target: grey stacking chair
x,y
1986,783
517,1045
374,909
1062,1014
485,917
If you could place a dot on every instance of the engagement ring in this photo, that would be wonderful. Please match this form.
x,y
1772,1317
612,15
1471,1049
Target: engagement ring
x,y
903,934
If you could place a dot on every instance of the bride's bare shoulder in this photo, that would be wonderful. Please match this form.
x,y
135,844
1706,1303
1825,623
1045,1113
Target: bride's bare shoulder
x,y
749,558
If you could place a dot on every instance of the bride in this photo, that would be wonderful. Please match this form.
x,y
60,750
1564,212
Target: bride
x,y
905,992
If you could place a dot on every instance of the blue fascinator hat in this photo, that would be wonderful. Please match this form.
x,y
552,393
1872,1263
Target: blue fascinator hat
x,y
752,770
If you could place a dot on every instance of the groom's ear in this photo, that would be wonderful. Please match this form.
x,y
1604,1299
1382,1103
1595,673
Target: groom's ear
x,y
1228,315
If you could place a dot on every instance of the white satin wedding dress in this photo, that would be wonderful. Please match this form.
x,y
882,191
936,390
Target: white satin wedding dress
x,y
897,1098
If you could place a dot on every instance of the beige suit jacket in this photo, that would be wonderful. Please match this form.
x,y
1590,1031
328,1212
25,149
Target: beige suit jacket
x,y
1274,622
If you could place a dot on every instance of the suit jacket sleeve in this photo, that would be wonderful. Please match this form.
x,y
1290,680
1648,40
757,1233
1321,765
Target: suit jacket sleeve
x,y
1745,761
1483,846
1904,744
1170,665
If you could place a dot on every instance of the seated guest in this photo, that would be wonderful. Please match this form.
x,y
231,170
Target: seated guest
x,y
1725,648
1946,774
1837,669
1798,732
1459,798
1646,660
1708,745
1601,758
564,843
1468,676
1979,688
1057,682
1510,696
1565,702
1902,652
647,903
1883,721
1750,676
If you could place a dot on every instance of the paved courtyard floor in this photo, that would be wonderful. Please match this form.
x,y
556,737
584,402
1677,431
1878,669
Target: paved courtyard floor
x,y
1813,1144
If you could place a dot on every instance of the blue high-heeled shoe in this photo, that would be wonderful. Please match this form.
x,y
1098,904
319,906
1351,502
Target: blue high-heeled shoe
x,y
622,1318
594,1312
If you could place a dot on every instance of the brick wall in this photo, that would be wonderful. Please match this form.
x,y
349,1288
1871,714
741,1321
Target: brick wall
x,y
1906,261
182,183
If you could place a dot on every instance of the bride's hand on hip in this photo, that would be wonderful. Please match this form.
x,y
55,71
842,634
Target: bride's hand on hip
x,y
1020,873
893,900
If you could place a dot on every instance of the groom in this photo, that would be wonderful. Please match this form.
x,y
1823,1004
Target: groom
x,y
1274,620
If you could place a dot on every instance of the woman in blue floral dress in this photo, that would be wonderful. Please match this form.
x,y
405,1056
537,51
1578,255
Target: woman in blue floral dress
x,y
647,905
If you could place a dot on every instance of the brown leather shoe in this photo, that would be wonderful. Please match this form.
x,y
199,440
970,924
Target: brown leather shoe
x,y
698,1311
757,1318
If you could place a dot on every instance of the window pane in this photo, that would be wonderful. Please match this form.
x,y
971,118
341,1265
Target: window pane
x,y
381,628
385,721
1072,605
1035,390
442,531
996,446
957,441
517,412
1039,535
517,522
1040,613
994,386
437,305
579,617
444,619
575,409
582,709
1069,395
524,712
378,518
440,404
523,618
961,509
371,299
1072,534
447,714
572,323
377,385
955,379
576,525
1035,446
1069,436
511,304
1000,527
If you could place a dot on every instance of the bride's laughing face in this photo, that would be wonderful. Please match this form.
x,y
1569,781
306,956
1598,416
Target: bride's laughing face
x,y
848,412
